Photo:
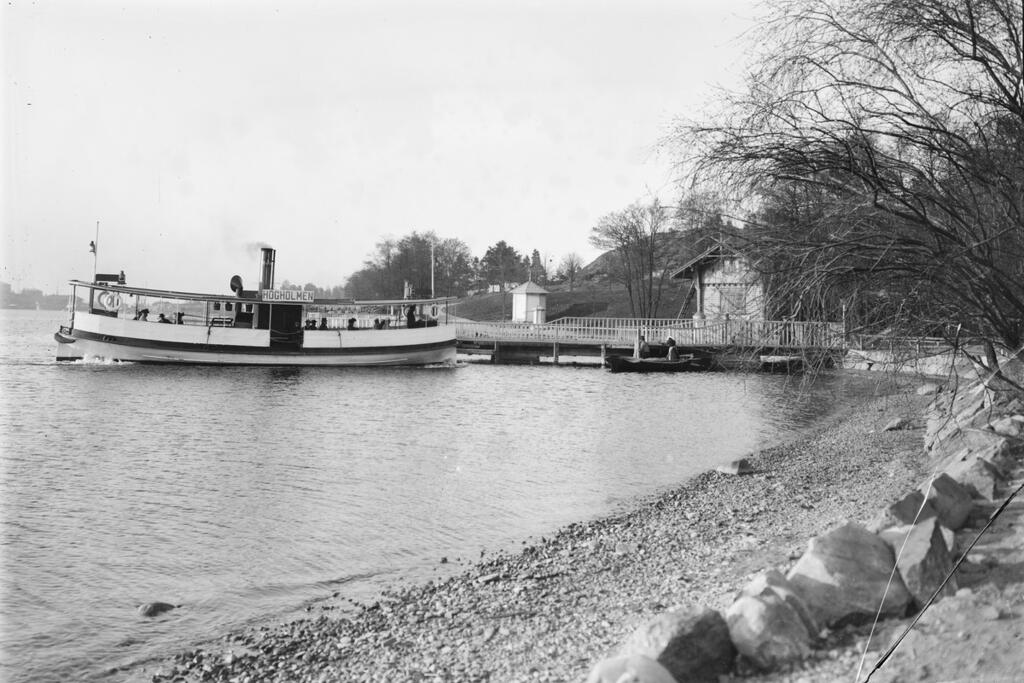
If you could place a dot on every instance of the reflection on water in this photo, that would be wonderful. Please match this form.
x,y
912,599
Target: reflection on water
x,y
243,492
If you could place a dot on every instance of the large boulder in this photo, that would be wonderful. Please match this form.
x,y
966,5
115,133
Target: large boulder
x,y
948,421
923,557
907,510
844,577
767,630
772,582
971,400
998,453
937,415
691,641
1009,425
980,477
629,669
969,440
1005,454
952,502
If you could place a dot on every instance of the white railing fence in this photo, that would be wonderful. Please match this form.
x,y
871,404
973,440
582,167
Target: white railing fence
x,y
623,331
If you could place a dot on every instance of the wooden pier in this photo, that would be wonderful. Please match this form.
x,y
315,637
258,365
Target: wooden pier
x,y
724,340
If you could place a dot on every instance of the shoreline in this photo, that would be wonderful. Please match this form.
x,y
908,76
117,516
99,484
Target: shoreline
x,y
555,608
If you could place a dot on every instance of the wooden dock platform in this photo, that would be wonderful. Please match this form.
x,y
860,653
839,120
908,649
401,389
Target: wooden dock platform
x,y
723,340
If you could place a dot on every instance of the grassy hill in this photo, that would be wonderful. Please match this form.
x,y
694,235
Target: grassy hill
x,y
595,295
679,248
602,300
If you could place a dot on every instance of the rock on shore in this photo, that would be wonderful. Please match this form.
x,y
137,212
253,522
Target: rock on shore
x,y
968,582
843,574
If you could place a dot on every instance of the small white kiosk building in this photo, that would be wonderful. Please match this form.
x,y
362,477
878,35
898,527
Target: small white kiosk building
x,y
529,303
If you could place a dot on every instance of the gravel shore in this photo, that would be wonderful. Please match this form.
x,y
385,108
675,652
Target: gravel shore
x,y
551,611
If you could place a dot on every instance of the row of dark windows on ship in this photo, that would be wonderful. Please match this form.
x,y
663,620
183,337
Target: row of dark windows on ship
x,y
230,306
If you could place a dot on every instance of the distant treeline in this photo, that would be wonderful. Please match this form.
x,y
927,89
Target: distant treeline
x,y
422,264
31,298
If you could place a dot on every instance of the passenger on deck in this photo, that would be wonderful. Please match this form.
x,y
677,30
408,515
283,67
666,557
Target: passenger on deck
x,y
376,324
180,318
323,323
163,319
142,315
351,323
410,317
311,324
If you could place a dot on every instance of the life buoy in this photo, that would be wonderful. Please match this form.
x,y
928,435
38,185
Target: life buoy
x,y
110,300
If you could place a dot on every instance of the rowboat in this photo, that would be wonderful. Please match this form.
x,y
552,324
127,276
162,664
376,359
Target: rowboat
x,y
267,326
686,363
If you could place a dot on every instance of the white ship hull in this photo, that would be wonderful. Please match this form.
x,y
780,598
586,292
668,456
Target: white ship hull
x,y
98,337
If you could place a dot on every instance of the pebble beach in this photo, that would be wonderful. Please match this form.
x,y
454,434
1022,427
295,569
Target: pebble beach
x,y
549,612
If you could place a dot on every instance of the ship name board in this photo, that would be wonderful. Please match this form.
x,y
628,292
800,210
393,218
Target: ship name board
x,y
293,295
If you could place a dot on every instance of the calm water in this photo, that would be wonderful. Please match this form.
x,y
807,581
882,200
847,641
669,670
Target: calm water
x,y
243,493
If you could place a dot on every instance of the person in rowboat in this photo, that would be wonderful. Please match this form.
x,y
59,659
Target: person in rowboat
x,y
645,349
673,351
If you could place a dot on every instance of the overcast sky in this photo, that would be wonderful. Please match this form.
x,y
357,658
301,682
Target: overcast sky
x,y
193,131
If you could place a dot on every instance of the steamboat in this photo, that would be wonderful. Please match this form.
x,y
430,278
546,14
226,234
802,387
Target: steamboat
x,y
266,326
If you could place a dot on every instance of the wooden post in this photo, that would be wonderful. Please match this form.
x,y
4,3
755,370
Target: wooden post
x,y
604,352
556,352
496,353
636,344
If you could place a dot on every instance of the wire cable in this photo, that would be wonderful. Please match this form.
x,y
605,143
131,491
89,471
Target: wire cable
x,y
892,574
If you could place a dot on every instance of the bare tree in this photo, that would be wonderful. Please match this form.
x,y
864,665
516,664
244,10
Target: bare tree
x,y
637,234
879,154
569,267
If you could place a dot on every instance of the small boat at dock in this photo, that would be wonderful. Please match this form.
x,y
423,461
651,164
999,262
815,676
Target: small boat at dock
x,y
251,327
686,363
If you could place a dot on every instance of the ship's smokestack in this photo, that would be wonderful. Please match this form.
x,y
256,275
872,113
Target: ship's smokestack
x,y
267,268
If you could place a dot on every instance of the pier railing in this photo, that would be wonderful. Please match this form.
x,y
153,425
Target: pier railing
x,y
623,331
